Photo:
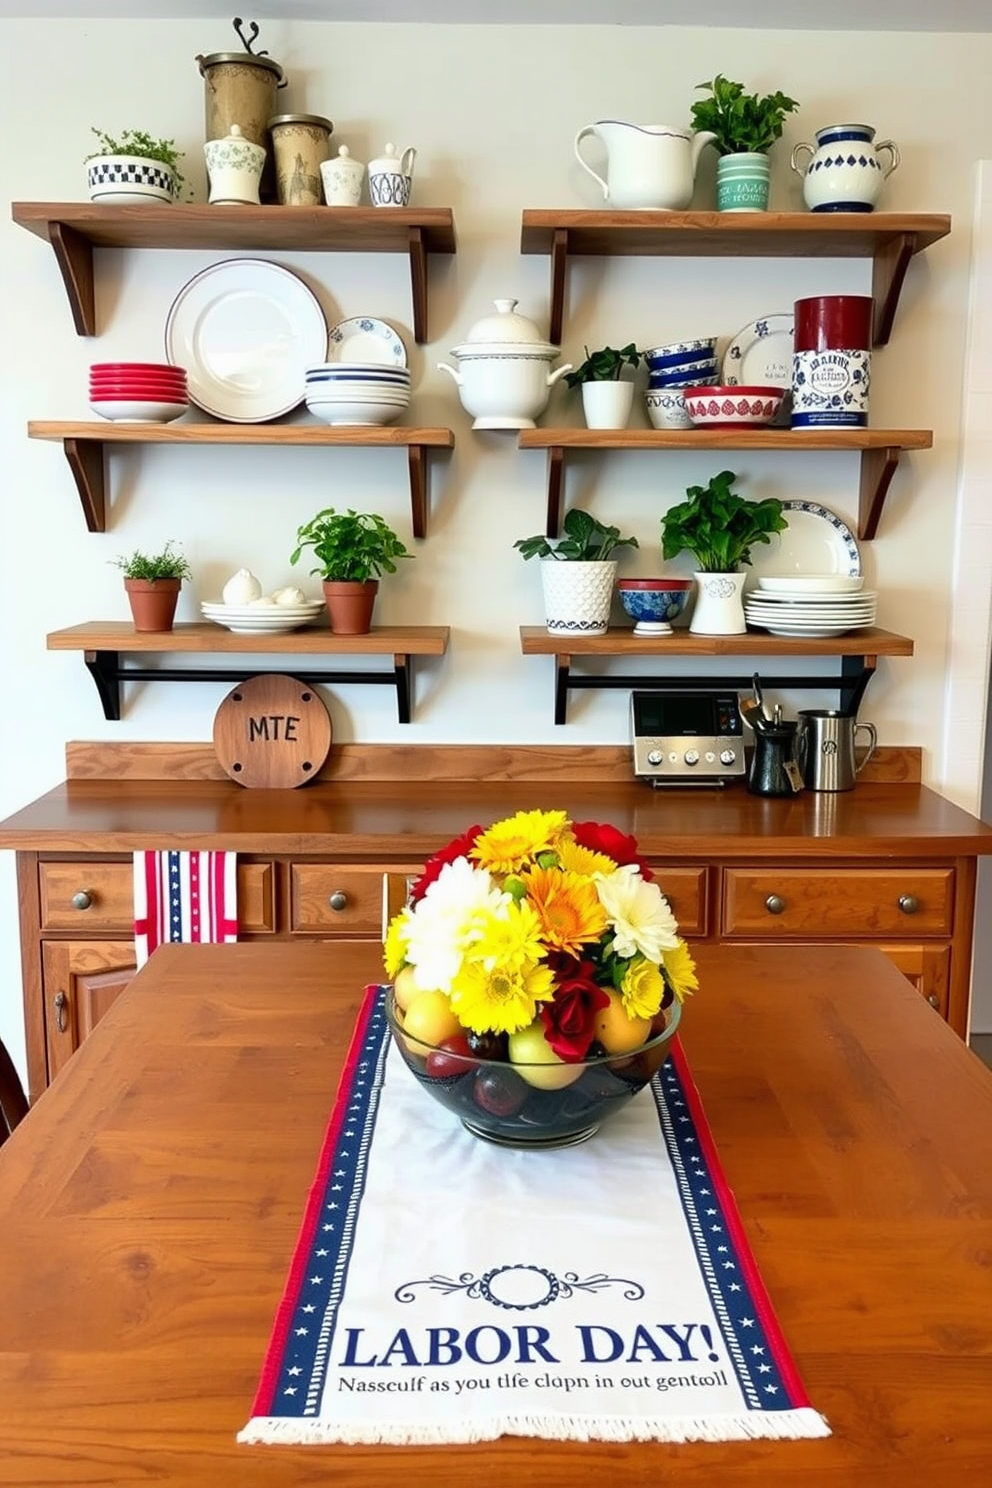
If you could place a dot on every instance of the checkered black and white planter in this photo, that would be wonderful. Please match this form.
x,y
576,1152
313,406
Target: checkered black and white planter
x,y
129,179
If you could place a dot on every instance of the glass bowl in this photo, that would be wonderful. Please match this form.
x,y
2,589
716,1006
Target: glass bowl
x,y
496,1100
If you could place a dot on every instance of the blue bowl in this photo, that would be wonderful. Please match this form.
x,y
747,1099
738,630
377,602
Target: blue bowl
x,y
697,377
677,352
654,603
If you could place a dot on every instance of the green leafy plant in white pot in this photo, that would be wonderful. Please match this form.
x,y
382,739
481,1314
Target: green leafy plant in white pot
x,y
744,127
133,168
607,397
577,573
719,528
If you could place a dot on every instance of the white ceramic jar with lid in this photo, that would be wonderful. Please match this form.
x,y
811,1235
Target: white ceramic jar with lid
x,y
234,166
504,375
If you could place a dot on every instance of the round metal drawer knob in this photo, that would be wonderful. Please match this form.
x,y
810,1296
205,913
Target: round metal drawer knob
x,y
908,903
81,900
934,1001
338,900
775,904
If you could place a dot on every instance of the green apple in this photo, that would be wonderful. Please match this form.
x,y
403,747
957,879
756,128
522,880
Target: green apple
x,y
536,1061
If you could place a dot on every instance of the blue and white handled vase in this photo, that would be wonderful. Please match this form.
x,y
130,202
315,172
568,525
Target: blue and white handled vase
x,y
844,172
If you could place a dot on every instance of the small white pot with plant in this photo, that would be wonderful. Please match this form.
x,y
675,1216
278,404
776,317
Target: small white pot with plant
x,y
606,398
719,528
133,169
577,573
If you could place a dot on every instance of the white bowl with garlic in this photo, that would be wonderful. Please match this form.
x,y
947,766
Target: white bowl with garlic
x,y
245,610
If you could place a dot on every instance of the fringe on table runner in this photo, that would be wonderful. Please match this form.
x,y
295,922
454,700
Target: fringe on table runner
x,y
779,1425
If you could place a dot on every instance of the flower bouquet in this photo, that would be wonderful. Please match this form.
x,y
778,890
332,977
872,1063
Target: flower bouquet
x,y
537,976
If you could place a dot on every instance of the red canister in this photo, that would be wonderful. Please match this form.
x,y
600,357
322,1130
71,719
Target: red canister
x,y
834,323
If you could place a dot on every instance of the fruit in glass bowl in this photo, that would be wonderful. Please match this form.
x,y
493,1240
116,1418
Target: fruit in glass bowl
x,y
514,1091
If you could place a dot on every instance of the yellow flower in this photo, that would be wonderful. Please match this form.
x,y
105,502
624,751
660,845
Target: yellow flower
x,y
509,845
395,945
642,989
680,970
501,999
567,906
583,860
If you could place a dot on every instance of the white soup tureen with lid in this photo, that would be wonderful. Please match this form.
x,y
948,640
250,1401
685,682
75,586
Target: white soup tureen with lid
x,y
504,375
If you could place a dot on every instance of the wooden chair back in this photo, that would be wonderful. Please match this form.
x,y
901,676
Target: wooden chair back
x,y
13,1101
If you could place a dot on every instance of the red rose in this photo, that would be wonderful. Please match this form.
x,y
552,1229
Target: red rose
x,y
600,837
569,1020
459,848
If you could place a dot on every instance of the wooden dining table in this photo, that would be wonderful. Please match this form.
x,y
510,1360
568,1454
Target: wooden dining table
x,y
151,1200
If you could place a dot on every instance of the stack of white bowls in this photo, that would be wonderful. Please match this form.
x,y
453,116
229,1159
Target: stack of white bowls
x,y
357,392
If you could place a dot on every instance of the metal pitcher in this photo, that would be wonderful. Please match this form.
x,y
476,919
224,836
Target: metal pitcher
x,y
828,748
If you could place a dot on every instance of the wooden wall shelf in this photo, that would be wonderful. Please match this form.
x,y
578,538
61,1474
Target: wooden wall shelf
x,y
889,239
880,450
86,444
102,643
858,655
74,229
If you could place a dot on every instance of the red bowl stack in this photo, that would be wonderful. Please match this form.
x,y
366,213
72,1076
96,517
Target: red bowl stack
x,y
137,392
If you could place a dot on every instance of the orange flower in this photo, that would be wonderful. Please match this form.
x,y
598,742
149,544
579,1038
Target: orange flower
x,y
567,906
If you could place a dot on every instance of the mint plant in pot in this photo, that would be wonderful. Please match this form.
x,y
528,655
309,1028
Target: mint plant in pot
x,y
577,573
744,126
152,582
606,397
352,550
719,528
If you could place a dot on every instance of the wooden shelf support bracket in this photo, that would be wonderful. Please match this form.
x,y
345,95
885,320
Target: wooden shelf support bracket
x,y
878,466
418,284
556,482
559,265
74,255
889,264
86,461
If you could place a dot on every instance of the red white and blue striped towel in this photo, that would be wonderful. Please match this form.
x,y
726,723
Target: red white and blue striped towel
x,y
191,897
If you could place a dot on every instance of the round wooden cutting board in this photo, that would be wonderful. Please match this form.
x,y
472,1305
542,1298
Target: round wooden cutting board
x,y
272,731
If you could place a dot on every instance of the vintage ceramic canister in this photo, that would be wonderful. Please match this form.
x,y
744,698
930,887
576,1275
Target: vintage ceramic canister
x,y
300,143
240,88
831,362
845,172
234,166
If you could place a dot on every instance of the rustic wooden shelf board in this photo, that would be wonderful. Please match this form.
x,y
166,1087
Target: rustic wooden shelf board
x,y
74,229
889,239
85,445
857,653
880,450
103,642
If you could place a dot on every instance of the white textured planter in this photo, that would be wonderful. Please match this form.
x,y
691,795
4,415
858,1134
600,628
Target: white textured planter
x,y
719,608
577,596
607,405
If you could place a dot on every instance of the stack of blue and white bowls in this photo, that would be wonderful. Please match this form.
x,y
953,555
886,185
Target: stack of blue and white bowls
x,y
357,392
672,369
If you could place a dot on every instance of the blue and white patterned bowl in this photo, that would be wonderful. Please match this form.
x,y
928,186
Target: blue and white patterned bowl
x,y
686,377
654,603
678,352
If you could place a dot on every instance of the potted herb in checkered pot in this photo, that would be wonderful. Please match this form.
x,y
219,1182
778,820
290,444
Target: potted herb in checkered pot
x,y
133,168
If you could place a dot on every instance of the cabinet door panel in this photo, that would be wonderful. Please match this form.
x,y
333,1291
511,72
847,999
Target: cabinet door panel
x,y
82,979
853,903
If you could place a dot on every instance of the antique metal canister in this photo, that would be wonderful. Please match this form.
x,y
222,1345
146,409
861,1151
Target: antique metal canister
x,y
240,88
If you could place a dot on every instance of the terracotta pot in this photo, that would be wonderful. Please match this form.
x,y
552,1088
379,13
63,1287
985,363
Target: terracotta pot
x,y
350,605
153,602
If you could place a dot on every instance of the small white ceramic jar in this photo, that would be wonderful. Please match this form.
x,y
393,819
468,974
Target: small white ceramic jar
x,y
234,166
342,178
504,375
391,177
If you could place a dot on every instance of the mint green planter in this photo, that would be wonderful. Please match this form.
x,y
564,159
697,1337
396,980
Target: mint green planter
x,y
742,183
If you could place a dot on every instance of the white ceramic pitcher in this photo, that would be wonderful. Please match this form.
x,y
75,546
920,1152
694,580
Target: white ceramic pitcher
x,y
647,165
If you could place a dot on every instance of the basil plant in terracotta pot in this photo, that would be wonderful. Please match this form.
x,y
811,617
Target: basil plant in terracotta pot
x,y
719,528
577,573
744,126
152,582
607,398
352,550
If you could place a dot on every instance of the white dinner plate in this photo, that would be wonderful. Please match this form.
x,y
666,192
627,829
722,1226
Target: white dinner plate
x,y
760,355
246,331
821,601
818,584
365,339
810,632
816,541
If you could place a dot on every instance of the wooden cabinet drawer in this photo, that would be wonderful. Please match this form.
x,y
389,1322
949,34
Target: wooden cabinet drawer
x,y
342,899
104,897
685,890
852,903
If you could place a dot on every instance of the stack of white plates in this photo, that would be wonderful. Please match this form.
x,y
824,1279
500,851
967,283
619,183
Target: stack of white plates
x,y
260,618
810,605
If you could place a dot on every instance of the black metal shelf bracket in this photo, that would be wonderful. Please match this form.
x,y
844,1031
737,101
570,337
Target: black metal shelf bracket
x,y
108,674
855,674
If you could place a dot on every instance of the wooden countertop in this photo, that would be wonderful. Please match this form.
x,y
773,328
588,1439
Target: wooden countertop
x,y
152,1198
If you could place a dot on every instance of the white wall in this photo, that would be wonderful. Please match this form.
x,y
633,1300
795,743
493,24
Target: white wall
x,y
492,112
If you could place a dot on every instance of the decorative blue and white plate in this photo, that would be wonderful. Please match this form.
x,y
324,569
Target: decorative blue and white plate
x,y
365,339
816,542
760,355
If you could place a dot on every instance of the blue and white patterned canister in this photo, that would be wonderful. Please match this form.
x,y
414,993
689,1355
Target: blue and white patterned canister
x,y
830,389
